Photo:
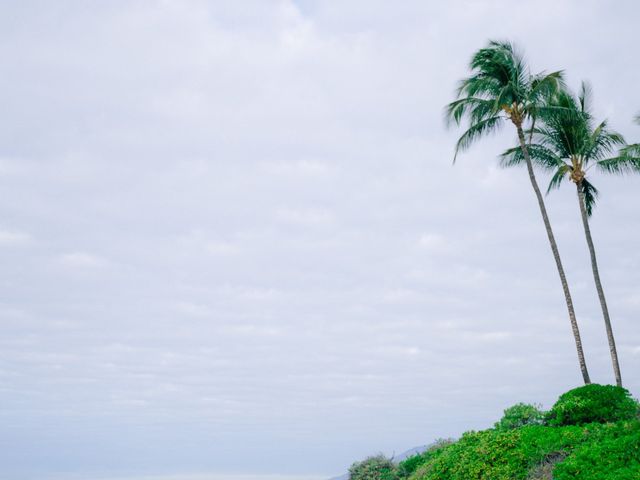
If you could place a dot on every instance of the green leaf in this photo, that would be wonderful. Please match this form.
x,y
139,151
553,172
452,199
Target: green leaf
x,y
475,132
590,194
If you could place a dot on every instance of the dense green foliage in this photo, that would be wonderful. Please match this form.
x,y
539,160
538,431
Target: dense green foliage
x,y
519,415
612,453
378,467
411,464
499,455
592,452
593,403
604,444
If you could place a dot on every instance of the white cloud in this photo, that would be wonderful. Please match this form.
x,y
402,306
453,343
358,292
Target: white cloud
x,y
433,242
401,295
222,248
12,238
304,167
193,309
253,330
308,217
82,260
494,336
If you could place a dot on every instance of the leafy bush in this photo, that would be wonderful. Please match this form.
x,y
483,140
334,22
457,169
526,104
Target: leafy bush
x,y
411,464
519,415
590,452
613,453
594,434
478,455
378,467
500,454
593,403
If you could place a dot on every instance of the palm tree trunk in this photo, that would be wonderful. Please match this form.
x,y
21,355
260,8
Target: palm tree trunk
x,y
596,278
556,256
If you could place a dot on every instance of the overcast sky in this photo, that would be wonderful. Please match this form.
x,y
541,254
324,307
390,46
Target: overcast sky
x,y
232,240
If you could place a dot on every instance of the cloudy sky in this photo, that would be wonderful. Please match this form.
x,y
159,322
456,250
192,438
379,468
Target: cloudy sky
x,y
232,240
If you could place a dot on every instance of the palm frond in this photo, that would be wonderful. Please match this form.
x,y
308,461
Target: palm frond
x,y
543,87
560,111
478,85
628,161
475,132
568,130
631,151
601,143
590,195
541,156
476,108
558,176
500,87
500,73
511,157
585,97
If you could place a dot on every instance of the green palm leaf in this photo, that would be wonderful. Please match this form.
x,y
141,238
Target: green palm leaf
x,y
559,175
540,155
567,142
499,88
627,162
475,132
590,194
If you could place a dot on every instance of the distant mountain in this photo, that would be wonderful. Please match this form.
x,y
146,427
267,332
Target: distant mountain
x,y
396,459
409,453
341,477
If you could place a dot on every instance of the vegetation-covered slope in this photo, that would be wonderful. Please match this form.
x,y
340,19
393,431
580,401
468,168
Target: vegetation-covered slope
x,y
591,433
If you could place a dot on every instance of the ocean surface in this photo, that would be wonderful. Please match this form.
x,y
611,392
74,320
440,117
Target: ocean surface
x,y
200,476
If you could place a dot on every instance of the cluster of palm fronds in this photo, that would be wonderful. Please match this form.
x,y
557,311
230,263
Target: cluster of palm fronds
x,y
557,133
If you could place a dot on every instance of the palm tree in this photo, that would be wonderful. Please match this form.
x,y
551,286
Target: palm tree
x,y
501,89
571,144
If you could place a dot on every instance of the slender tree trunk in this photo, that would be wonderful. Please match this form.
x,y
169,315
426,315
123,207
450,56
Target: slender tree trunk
x,y
596,278
556,256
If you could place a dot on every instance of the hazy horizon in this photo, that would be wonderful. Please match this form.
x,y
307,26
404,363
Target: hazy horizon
x,y
191,476
233,239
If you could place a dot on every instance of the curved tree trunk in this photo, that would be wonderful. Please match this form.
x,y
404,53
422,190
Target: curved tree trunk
x,y
596,278
556,256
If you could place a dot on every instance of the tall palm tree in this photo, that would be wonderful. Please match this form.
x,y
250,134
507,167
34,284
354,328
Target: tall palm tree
x,y
501,89
570,144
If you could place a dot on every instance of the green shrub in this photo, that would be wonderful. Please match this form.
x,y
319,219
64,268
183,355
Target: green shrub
x,y
411,464
590,452
593,403
502,454
612,453
377,467
593,434
476,456
519,415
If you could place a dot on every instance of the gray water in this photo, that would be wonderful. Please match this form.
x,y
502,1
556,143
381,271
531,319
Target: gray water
x,y
203,476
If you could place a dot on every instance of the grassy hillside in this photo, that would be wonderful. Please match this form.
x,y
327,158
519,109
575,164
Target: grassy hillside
x,y
591,433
